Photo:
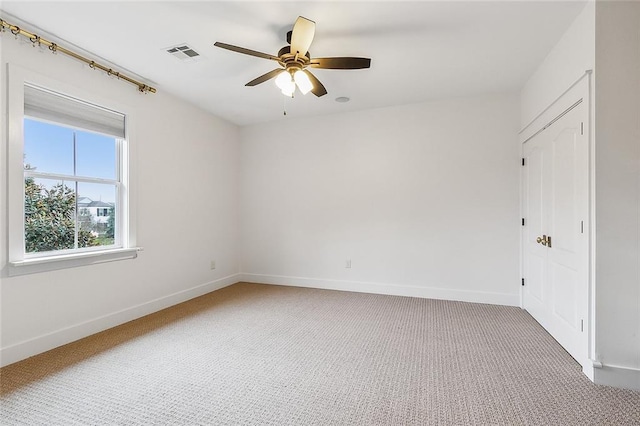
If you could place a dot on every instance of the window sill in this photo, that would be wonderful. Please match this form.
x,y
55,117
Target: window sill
x,y
50,263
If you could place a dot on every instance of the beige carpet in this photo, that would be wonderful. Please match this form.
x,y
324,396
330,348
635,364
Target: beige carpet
x,y
266,355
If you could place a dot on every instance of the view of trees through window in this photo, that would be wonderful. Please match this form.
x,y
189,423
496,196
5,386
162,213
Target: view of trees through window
x,y
70,188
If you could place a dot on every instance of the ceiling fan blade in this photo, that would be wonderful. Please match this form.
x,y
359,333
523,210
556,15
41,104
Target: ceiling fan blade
x,y
318,88
346,63
265,77
302,35
245,51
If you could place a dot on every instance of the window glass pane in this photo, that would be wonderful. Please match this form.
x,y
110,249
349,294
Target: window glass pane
x,y
95,155
96,212
47,147
49,207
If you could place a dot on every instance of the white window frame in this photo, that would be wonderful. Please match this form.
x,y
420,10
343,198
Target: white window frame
x,y
19,261
117,182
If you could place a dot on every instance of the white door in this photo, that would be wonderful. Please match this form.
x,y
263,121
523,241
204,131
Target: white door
x,y
555,234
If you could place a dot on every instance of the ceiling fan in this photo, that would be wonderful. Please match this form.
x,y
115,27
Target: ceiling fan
x,y
295,58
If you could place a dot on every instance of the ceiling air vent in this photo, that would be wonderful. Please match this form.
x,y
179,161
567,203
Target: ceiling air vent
x,y
182,52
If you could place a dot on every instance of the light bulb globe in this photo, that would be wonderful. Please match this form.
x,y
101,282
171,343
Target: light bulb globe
x,y
283,80
302,80
285,83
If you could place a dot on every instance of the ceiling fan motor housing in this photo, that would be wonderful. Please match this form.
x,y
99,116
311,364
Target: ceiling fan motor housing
x,y
287,59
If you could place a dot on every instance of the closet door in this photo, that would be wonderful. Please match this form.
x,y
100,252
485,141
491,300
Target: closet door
x,y
555,242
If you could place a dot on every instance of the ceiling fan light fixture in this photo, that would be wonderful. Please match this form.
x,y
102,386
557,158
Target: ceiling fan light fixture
x,y
303,82
294,58
285,83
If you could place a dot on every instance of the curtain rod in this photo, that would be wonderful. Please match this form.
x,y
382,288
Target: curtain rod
x,y
54,47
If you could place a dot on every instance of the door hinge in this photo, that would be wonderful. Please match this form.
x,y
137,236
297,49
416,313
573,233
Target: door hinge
x,y
523,281
523,161
523,221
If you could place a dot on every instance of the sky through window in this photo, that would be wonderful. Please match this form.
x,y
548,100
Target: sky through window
x,y
49,148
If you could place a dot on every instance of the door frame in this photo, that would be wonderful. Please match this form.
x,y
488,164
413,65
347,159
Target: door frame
x,y
581,89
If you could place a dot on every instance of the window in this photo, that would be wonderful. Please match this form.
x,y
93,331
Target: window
x,y
71,153
70,201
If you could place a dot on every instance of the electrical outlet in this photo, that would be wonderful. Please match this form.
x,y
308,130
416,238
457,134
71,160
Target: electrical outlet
x,y
347,264
212,265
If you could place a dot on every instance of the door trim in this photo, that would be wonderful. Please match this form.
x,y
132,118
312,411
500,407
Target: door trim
x,y
549,124
533,123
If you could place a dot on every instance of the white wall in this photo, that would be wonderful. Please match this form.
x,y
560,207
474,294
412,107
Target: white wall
x,y
423,199
617,187
568,60
187,200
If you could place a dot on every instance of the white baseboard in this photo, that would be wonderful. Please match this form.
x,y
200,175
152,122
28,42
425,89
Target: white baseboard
x,y
31,347
619,377
390,289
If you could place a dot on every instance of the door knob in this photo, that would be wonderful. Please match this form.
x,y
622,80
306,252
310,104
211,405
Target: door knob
x,y
544,240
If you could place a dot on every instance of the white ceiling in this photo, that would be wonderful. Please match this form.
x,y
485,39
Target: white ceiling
x,y
420,50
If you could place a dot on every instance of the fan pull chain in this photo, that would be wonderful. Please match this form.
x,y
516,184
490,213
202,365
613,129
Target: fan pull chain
x,y
284,106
